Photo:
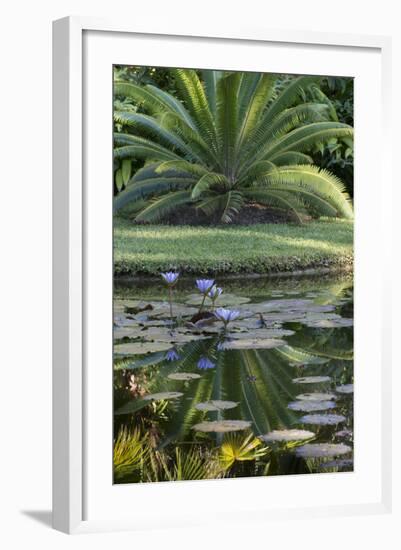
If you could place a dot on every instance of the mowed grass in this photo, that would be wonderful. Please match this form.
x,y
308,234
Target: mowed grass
x,y
267,248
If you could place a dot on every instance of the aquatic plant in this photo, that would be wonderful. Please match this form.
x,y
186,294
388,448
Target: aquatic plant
x,y
214,293
172,355
204,364
204,287
171,279
226,315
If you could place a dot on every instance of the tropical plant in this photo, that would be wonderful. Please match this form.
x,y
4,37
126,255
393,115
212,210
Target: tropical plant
x,y
230,140
131,451
240,448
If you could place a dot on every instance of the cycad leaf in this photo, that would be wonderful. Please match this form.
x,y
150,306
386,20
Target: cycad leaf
x,y
153,186
310,181
207,181
163,206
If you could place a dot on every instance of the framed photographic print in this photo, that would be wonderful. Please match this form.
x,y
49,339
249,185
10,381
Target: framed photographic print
x,y
214,287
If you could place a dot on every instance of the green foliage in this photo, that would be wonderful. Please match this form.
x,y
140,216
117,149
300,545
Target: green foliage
x,y
240,448
230,135
258,248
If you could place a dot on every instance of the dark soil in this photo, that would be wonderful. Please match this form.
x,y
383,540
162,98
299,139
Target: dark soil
x,y
250,214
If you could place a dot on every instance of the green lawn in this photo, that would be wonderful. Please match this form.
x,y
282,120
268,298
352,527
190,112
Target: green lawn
x,y
149,249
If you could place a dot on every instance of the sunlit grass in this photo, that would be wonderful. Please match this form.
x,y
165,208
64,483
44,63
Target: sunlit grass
x,y
140,249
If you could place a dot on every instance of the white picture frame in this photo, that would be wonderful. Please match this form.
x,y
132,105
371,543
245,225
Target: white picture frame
x,y
70,260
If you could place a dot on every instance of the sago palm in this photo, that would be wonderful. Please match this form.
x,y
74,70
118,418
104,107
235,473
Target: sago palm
x,y
227,141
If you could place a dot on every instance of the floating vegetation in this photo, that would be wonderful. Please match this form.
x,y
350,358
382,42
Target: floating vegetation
x,y
163,396
308,406
344,433
346,388
185,376
337,464
140,348
311,380
253,343
232,358
215,405
322,450
222,426
316,396
224,299
287,436
322,419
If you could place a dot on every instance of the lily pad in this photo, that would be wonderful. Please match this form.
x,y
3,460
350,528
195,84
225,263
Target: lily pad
x,y
316,396
322,419
261,333
346,388
125,332
183,376
163,396
338,464
140,348
308,406
254,343
344,433
223,300
322,450
287,435
330,323
222,426
215,405
311,380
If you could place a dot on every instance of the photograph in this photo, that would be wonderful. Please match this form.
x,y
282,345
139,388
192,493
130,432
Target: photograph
x,y
233,262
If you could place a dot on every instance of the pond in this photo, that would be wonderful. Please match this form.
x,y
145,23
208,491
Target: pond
x,y
270,393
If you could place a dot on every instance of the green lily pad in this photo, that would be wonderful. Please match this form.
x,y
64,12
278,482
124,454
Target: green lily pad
x,y
140,348
346,388
287,436
322,450
322,419
308,406
316,396
163,396
311,380
215,405
253,343
183,376
222,426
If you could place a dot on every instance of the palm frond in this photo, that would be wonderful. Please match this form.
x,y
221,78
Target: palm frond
x,y
150,128
153,186
310,182
192,92
291,157
163,206
211,79
207,181
227,119
307,137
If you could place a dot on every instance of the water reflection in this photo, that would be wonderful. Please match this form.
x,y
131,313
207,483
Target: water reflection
x,y
211,404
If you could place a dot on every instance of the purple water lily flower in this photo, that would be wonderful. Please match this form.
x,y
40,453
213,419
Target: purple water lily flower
x,y
226,315
214,292
170,277
204,285
204,363
221,346
172,355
